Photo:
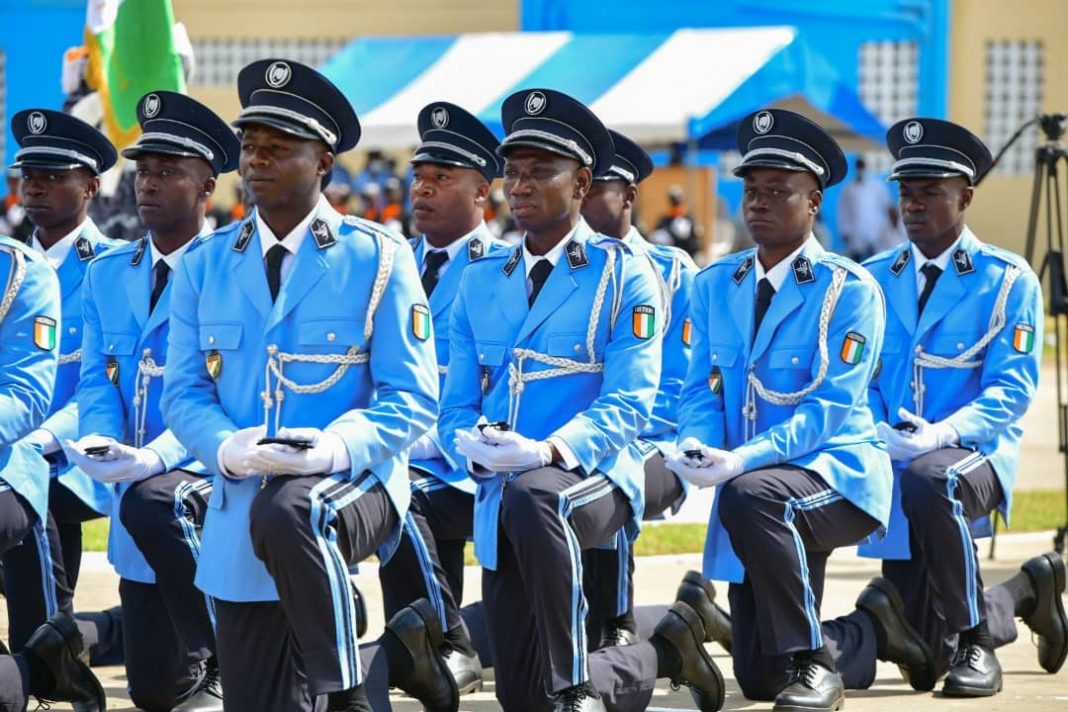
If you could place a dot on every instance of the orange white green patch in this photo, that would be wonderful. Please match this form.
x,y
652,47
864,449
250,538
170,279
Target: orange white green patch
x,y
44,333
643,321
715,381
213,362
686,327
852,348
421,322
112,371
1023,339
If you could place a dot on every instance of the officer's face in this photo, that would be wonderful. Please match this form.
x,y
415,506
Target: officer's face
x,y
56,198
932,209
171,190
445,200
281,171
543,189
779,206
604,206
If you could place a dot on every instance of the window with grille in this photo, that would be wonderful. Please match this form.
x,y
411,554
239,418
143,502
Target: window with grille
x,y
887,78
1015,72
218,61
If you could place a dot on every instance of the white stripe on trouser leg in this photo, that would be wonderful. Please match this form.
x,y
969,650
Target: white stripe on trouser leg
x,y
584,492
324,508
971,566
813,501
189,530
622,573
48,576
426,568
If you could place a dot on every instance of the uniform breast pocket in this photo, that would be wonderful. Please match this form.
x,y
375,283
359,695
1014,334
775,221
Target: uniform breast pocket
x,y
220,336
723,356
71,337
791,357
117,343
331,332
952,343
491,357
569,344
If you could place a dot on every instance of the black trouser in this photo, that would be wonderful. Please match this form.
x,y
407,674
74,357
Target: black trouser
x,y
608,576
429,561
14,684
67,513
168,631
32,575
281,655
534,606
783,523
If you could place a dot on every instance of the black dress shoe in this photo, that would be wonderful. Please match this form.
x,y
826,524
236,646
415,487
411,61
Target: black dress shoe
x,y
57,644
900,643
1047,619
812,688
683,630
417,630
974,672
207,697
700,595
465,669
580,698
617,636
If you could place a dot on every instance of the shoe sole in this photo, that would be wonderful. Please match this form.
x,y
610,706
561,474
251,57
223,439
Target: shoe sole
x,y
898,607
66,628
475,686
720,684
1057,564
969,691
836,705
694,580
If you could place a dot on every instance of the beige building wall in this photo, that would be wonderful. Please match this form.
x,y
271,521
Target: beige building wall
x,y
999,213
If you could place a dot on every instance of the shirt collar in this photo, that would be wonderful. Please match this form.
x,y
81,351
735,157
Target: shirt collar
x,y
454,247
634,238
552,255
941,261
777,274
294,239
58,252
172,258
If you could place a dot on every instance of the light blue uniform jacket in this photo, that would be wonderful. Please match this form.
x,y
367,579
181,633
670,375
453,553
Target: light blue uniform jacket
x,y
118,331
830,430
599,414
62,418
221,312
27,371
983,404
476,246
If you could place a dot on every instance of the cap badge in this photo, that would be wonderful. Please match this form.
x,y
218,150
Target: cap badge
x,y
439,117
152,106
278,75
913,131
763,122
535,103
36,122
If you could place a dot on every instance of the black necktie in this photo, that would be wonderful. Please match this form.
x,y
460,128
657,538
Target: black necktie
x,y
162,273
932,272
764,294
274,269
538,274
435,260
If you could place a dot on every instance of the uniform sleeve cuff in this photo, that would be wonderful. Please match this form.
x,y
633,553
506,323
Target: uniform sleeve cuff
x,y
757,453
570,460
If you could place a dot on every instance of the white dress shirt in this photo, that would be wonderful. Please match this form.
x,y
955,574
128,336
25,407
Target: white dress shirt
x,y
55,254
452,249
777,274
921,260
553,255
291,242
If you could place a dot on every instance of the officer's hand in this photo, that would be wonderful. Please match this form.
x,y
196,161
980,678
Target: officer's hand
x,y
326,455
44,441
121,463
511,452
926,438
234,452
424,449
896,446
704,466
470,444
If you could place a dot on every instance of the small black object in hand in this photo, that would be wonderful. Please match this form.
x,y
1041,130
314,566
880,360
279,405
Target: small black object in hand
x,y
97,450
907,427
499,425
298,443
695,454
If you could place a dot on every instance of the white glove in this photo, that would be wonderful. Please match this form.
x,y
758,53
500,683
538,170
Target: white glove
x,y
424,449
904,446
503,450
235,450
328,454
44,441
713,467
121,463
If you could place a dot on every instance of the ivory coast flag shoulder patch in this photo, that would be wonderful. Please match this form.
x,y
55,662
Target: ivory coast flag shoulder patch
x,y
1023,338
213,362
852,348
715,381
44,333
686,331
420,322
643,321
111,370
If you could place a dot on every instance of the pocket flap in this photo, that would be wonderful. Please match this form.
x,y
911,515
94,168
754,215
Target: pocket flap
x,y
120,344
331,332
490,353
220,335
723,356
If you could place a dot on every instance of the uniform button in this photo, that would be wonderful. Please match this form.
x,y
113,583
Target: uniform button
x,y
912,384
72,330
919,348
960,345
578,347
111,347
795,360
211,339
331,336
482,357
715,357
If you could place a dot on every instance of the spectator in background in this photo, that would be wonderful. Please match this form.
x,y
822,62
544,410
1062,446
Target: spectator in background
x,y
862,212
338,194
393,214
13,222
894,234
676,227
369,195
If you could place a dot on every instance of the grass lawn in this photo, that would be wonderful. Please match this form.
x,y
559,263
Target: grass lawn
x,y
1038,510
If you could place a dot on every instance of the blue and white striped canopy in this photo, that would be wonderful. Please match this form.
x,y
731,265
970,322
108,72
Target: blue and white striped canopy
x,y
691,84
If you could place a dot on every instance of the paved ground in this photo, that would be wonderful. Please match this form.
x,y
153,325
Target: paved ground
x,y
1026,687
